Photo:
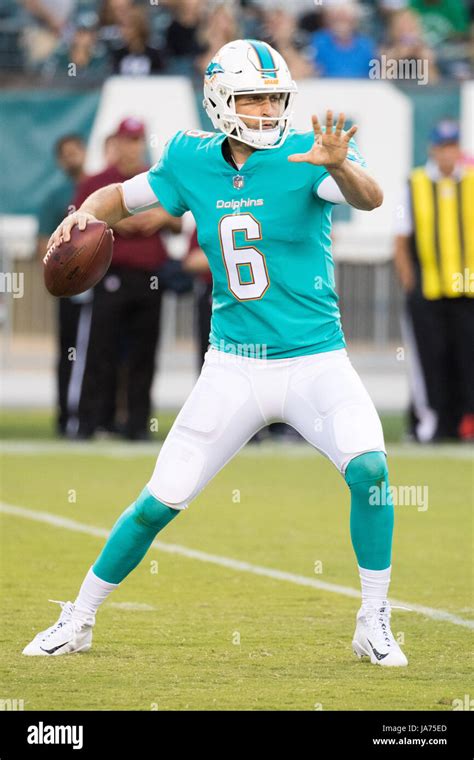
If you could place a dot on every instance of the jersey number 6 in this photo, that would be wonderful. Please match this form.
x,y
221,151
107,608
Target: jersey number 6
x,y
246,268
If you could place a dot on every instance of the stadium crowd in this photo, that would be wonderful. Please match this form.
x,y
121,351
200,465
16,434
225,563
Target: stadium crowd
x,y
52,40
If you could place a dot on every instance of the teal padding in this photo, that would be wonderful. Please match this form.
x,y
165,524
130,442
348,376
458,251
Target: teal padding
x,y
372,512
132,536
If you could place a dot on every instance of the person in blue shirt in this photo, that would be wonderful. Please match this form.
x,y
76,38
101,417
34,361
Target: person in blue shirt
x,y
339,50
262,195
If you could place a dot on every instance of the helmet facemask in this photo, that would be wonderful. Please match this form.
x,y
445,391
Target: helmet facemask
x,y
259,136
230,121
249,67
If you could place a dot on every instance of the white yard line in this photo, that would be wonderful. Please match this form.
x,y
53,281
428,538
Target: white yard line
x,y
233,564
120,450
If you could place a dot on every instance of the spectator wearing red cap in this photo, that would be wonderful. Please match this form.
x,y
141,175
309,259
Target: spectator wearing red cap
x,y
126,305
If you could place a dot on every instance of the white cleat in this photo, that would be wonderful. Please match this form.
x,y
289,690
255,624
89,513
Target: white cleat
x,y
374,639
68,635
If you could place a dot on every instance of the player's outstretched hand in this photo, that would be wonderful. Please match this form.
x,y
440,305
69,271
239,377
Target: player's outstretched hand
x,y
330,147
62,233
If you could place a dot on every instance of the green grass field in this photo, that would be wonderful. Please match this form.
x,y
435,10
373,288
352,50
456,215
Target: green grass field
x,y
37,424
197,634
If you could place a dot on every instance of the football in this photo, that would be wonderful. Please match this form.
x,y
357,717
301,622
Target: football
x,y
74,267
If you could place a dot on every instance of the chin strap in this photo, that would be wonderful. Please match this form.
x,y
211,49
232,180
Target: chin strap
x,y
261,138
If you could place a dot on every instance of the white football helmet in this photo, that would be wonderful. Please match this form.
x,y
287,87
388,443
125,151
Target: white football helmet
x,y
248,67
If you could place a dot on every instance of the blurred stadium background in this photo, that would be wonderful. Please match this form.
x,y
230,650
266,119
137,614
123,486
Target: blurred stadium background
x,y
81,66
43,97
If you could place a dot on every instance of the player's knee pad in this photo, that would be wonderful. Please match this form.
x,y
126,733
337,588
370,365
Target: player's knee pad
x,y
357,427
370,468
152,512
178,473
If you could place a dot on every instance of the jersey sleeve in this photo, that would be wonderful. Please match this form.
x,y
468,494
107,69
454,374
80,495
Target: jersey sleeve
x,y
138,195
163,179
330,191
353,154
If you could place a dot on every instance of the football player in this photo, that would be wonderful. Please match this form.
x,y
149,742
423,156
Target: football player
x,y
261,194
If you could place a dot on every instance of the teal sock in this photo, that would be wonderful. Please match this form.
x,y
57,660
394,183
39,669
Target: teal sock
x,y
132,536
371,510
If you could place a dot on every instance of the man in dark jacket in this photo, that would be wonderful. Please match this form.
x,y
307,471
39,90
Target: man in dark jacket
x,y
125,313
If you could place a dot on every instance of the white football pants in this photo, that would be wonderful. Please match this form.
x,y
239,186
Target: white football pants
x,y
320,395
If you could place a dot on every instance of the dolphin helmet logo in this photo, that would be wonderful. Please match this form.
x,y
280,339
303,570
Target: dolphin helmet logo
x,y
214,68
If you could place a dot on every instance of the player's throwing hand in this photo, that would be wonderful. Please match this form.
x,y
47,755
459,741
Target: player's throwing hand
x,y
63,231
330,147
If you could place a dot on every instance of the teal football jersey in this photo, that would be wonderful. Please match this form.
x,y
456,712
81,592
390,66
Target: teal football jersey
x,y
266,234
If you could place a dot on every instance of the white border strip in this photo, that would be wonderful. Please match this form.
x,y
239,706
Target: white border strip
x,y
232,564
